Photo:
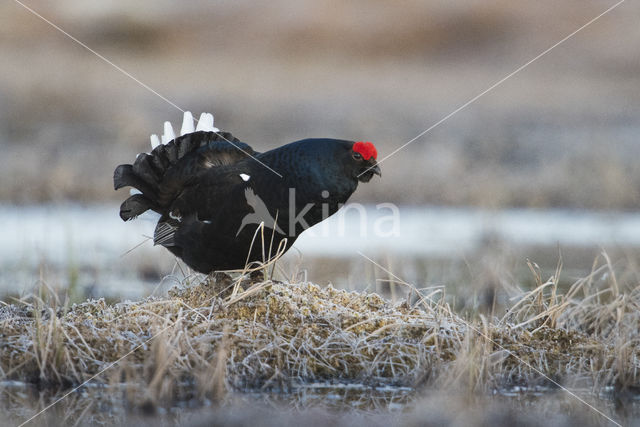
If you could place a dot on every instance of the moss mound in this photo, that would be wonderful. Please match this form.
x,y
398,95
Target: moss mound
x,y
220,334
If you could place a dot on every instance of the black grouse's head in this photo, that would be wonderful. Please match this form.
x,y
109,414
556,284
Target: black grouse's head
x,y
325,164
362,161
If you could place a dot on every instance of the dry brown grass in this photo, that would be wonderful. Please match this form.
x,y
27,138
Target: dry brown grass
x,y
215,334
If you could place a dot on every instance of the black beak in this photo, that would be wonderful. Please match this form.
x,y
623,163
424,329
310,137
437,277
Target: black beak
x,y
367,174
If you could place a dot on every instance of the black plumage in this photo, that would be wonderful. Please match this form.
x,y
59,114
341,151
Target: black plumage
x,y
213,190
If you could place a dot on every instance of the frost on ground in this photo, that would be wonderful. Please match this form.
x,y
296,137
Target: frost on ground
x,y
219,335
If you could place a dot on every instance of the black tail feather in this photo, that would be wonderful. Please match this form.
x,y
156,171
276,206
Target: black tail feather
x,y
121,176
171,151
143,167
150,173
188,143
125,175
159,159
134,206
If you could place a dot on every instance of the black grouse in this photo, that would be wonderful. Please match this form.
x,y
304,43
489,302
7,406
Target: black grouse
x,y
213,191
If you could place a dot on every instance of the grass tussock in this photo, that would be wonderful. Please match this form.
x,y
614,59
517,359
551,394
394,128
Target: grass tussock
x,y
220,334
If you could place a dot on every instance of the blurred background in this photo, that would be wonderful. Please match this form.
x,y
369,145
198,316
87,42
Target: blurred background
x,y
543,166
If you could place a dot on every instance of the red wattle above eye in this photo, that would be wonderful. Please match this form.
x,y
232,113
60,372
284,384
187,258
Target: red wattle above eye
x,y
366,149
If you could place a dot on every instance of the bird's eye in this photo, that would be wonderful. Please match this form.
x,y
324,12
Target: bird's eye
x,y
357,155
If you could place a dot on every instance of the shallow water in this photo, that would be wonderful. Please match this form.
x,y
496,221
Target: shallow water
x,y
89,245
110,404
351,403
95,233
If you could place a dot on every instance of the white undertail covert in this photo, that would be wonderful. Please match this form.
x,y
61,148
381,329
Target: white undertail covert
x,y
204,123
